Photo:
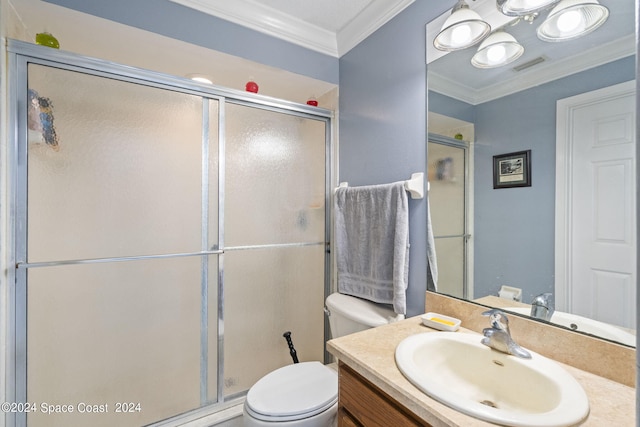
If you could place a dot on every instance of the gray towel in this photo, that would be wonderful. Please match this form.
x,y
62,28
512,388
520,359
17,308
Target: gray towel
x,y
372,243
432,262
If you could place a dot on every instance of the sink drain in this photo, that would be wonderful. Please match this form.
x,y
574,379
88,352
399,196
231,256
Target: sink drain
x,y
489,403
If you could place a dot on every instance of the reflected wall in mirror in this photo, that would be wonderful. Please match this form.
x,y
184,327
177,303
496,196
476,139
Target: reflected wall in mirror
x,y
554,100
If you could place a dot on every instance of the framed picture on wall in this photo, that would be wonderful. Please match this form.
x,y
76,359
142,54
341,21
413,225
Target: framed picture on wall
x,y
512,170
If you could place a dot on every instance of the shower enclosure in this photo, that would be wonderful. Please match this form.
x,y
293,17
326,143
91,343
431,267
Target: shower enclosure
x,y
449,196
165,235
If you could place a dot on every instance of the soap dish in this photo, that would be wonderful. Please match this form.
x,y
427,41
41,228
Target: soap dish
x,y
440,322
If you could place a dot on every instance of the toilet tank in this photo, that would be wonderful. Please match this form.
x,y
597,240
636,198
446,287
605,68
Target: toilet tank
x,y
348,314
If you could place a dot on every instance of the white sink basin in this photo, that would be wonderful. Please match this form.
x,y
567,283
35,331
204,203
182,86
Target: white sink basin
x,y
584,324
457,370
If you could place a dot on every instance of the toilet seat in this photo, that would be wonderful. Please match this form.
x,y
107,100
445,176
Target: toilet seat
x,y
293,392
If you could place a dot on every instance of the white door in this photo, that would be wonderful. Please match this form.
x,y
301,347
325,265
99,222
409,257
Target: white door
x,y
596,243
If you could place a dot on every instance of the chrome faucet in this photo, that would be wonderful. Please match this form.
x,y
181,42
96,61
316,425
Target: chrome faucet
x,y
542,306
498,335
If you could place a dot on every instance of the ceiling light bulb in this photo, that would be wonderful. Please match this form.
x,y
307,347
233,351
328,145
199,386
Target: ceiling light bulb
x,y
462,29
523,7
498,49
571,19
496,53
461,34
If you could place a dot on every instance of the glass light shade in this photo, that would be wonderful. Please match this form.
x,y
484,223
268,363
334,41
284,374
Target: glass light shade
x,y
523,7
498,49
462,29
571,19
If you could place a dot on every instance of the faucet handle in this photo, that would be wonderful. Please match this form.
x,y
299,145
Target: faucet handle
x,y
498,336
498,319
542,306
544,299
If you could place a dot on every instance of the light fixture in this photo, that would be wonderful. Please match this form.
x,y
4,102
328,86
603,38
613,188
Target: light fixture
x,y
462,29
523,7
498,49
567,20
571,19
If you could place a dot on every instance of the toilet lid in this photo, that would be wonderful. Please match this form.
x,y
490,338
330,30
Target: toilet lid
x,y
295,391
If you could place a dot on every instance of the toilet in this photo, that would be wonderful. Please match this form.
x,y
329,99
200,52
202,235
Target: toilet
x,y
306,394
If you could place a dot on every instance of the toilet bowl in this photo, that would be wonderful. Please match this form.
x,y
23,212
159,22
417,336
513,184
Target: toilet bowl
x,y
306,394
302,394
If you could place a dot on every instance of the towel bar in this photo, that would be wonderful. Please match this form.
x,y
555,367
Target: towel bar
x,y
414,185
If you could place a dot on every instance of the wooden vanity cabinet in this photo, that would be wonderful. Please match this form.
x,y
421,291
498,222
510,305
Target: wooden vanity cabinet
x,y
362,404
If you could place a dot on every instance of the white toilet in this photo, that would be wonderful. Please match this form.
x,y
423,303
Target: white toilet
x,y
306,394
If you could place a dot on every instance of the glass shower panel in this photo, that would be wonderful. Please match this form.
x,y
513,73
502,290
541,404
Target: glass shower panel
x,y
110,333
123,185
447,200
269,292
450,252
275,178
447,189
114,168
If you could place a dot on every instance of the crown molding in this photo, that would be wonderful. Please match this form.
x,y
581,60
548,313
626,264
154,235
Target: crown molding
x,y
254,15
367,22
537,75
269,21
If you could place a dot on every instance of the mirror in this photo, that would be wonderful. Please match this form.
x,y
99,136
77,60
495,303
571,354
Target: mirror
x,y
517,241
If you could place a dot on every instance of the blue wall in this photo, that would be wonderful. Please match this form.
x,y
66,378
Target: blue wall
x,y
383,119
451,107
514,227
182,23
382,125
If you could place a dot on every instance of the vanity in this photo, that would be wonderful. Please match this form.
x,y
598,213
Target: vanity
x,y
528,225
373,391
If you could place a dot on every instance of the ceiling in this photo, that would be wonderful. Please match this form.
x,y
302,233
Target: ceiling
x,y
332,27
452,73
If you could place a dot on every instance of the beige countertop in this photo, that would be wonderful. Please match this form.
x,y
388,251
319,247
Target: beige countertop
x,y
371,354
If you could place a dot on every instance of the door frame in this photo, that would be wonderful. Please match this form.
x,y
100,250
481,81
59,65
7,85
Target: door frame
x,y
564,117
468,285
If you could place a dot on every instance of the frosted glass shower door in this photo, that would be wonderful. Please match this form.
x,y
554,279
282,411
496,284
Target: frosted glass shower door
x,y
447,200
125,177
166,235
274,242
121,188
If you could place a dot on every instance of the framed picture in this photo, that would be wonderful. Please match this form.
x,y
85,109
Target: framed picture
x,y
512,170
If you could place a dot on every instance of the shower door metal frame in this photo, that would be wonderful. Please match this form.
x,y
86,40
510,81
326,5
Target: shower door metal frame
x,y
467,286
22,54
